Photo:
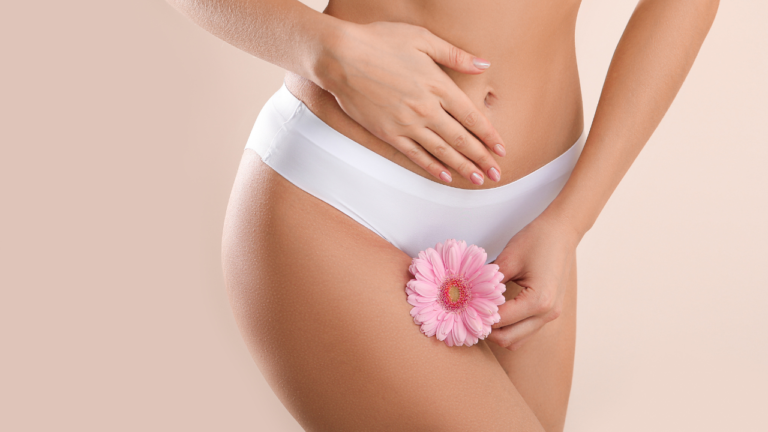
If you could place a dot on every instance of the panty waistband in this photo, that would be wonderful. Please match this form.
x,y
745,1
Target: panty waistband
x,y
285,113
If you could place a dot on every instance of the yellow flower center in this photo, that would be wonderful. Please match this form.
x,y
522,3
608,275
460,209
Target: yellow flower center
x,y
454,293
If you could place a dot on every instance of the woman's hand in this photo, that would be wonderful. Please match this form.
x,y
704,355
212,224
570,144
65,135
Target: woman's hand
x,y
384,75
537,258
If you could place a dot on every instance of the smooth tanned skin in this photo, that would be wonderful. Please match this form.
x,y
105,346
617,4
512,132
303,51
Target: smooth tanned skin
x,y
320,299
320,302
530,93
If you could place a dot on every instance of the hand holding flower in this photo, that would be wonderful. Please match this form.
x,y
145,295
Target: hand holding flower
x,y
537,258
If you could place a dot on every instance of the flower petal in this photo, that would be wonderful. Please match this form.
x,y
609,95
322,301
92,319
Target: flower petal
x,y
429,328
449,339
439,248
412,269
473,259
487,273
438,267
425,269
445,253
496,317
459,331
453,263
412,300
429,313
417,300
441,315
486,330
484,306
472,320
487,320
462,245
445,327
484,289
425,289
499,276
418,309
498,300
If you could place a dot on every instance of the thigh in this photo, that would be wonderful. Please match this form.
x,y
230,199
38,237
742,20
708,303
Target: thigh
x,y
542,369
320,301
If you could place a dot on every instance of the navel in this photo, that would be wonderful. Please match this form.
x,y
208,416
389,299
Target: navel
x,y
490,99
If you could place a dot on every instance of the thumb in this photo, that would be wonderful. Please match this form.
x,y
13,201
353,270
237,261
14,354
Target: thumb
x,y
453,57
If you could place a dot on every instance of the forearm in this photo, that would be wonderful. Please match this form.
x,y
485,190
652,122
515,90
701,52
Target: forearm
x,y
285,33
651,61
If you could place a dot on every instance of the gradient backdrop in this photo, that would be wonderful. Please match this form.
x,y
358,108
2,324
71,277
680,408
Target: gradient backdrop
x,y
122,125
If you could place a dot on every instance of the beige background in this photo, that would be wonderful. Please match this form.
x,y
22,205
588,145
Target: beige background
x,y
122,127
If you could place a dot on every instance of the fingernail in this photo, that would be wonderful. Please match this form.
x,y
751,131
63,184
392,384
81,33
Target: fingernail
x,y
445,177
493,174
481,63
476,179
499,150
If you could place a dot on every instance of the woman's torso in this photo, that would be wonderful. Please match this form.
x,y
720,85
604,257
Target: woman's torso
x,y
531,92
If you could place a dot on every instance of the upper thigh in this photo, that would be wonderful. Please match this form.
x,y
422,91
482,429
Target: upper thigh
x,y
542,368
321,303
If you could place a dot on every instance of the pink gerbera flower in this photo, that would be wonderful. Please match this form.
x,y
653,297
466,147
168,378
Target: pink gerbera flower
x,y
455,295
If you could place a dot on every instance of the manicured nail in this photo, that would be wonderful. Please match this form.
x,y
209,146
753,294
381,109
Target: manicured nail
x,y
493,174
445,177
499,150
476,179
481,63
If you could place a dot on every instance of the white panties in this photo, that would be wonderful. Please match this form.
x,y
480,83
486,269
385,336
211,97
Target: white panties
x,y
406,209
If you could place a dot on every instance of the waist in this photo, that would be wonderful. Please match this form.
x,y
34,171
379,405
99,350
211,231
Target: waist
x,y
409,211
532,88
536,126
298,144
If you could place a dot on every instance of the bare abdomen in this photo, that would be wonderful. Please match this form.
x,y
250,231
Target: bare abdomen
x,y
531,93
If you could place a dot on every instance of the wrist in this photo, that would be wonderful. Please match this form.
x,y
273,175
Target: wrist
x,y
566,223
325,67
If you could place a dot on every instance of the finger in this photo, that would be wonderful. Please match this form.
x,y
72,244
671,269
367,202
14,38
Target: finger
x,y
525,305
460,107
510,264
513,335
421,157
451,156
452,56
465,143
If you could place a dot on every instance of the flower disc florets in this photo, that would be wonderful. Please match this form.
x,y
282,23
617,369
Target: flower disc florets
x,y
454,293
